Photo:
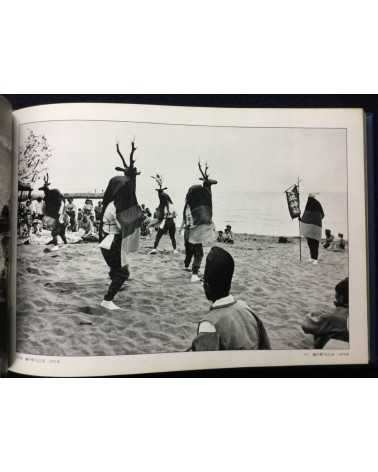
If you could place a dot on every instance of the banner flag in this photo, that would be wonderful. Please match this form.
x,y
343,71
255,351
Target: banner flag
x,y
292,196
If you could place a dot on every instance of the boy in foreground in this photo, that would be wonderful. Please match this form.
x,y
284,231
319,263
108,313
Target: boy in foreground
x,y
230,324
331,324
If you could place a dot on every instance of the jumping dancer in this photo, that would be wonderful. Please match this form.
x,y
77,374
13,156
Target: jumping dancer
x,y
197,221
120,224
53,213
164,216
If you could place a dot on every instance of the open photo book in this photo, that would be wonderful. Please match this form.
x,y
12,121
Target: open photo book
x,y
139,239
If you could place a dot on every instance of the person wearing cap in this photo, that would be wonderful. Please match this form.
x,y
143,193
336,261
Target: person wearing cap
x,y
230,324
311,226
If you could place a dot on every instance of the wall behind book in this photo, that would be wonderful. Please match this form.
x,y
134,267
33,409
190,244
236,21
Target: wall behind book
x,y
368,102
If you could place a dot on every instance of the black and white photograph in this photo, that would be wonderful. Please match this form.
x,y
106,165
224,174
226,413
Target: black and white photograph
x,y
188,227
144,238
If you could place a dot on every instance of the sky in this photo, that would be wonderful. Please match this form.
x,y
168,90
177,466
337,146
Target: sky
x,y
241,159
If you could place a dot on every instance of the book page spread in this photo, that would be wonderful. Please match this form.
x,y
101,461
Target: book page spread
x,y
155,239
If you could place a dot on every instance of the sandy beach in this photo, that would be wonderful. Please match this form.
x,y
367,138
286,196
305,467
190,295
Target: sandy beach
x,y
59,294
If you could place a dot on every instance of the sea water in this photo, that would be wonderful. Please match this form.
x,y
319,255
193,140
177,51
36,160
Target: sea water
x,y
264,213
268,214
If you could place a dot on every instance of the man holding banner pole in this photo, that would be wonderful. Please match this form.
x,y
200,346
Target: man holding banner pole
x,y
311,226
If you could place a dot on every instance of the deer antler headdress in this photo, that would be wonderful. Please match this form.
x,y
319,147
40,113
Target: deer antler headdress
x,y
159,180
207,182
129,170
46,183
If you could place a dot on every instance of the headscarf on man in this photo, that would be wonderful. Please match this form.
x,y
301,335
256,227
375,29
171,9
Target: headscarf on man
x,y
219,271
311,220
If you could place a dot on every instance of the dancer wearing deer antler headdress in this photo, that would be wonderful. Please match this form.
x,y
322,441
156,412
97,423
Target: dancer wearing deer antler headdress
x,y
120,226
54,212
164,217
197,221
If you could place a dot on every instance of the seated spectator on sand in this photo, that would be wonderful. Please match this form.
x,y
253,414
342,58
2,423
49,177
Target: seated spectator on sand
x,y
86,230
230,324
92,219
88,208
340,243
228,236
220,238
37,227
332,325
329,239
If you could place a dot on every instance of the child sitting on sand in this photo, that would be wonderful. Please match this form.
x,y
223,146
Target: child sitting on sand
x,y
230,324
220,238
333,325
340,244
329,239
228,236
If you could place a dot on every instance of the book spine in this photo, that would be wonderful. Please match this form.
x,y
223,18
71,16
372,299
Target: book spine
x,y
371,131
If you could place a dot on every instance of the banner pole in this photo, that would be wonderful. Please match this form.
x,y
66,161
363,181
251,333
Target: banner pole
x,y
299,227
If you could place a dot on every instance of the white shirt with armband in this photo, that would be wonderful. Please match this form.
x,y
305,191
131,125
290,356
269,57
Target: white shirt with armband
x,y
61,212
111,226
206,326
